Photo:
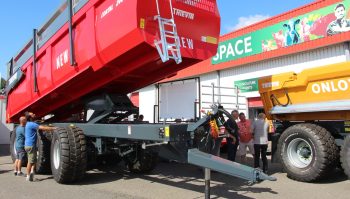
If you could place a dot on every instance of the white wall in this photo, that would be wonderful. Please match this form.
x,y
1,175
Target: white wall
x,y
147,100
294,62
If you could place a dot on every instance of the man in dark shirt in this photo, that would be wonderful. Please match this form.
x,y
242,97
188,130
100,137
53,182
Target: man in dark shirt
x,y
232,140
19,144
30,142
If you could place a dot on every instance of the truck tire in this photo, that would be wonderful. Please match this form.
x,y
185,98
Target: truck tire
x,y
43,145
143,161
68,155
77,142
345,156
13,149
308,152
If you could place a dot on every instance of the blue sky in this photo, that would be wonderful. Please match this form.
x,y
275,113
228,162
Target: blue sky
x,y
19,17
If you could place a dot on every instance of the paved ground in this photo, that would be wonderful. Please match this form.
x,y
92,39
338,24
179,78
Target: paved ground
x,y
169,180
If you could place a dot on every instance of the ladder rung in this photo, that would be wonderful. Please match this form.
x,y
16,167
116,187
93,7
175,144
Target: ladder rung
x,y
170,32
169,24
173,50
166,20
172,45
172,36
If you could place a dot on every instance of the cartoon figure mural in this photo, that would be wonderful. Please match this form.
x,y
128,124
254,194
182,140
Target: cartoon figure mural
x,y
326,21
279,38
268,45
291,34
305,30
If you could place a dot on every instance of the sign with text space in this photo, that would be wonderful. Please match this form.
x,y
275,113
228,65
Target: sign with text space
x,y
247,85
317,24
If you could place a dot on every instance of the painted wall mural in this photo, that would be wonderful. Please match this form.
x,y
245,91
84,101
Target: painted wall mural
x,y
317,24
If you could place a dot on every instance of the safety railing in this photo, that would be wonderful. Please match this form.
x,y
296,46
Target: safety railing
x,y
44,33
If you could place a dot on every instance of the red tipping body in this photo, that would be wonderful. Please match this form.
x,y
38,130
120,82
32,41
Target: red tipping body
x,y
115,51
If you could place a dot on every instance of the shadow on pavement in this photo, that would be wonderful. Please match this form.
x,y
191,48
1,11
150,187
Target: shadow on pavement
x,y
43,179
5,171
178,175
4,150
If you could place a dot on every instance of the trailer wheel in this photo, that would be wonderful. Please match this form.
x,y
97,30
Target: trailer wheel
x,y
68,155
143,161
345,156
77,142
13,149
308,152
43,145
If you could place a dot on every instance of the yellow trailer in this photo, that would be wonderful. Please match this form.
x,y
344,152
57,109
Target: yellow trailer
x,y
312,111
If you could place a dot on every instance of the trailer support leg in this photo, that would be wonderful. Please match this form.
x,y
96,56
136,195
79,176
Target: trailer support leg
x,y
207,183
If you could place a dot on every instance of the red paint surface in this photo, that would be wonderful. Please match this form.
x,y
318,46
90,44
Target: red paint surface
x,y
254,102
113,54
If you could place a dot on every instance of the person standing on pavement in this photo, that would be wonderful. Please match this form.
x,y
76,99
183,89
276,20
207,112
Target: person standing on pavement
x,y
232,140
245,137
260,132
30,142
19,144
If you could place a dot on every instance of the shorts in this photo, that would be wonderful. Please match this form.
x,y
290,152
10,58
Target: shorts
x,y
31,152
243,147
20,153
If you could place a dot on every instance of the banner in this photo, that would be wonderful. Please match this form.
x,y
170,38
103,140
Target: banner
x,y
318,24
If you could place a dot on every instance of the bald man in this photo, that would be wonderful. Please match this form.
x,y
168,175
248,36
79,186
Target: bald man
x,y
19,144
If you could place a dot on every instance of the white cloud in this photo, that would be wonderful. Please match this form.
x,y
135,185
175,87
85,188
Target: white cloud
x,y
246,21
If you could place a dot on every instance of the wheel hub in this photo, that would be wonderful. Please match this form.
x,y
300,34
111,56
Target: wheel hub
x,y
305,152
299,153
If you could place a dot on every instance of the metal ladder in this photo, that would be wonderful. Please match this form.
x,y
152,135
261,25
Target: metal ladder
x,y
169,44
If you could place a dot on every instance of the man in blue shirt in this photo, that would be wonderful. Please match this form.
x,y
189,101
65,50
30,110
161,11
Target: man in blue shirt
x,y
30,142
19,144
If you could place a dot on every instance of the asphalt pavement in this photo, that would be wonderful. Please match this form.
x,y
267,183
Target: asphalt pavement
x,y
168,180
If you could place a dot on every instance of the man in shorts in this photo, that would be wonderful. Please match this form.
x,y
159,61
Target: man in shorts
x,y
245,137
19,144
30,142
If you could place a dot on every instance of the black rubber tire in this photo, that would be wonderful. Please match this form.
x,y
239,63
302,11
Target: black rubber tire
x,y
43,145
345,156
12,149
326,154
72,157
142,161
78,156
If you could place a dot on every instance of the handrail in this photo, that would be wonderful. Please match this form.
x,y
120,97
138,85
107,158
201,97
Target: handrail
x,y
45,32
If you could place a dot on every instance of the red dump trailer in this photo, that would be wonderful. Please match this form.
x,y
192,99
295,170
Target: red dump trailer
x,y
79,67
115,46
